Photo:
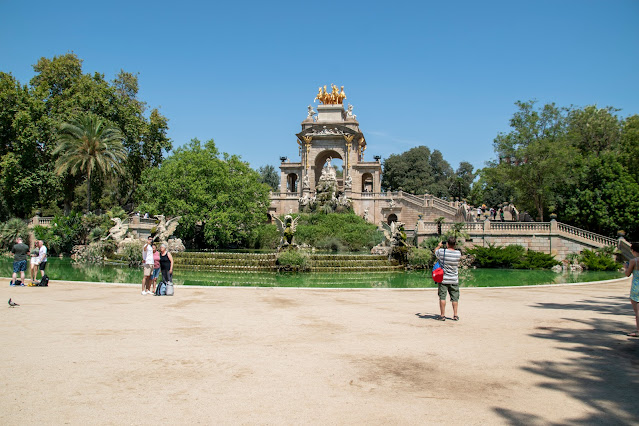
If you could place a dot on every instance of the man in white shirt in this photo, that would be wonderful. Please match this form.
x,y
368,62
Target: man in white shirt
x,y
42,258
147,255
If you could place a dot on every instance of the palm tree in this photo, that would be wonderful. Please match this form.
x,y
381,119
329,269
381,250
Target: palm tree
x,y
439,222
89,145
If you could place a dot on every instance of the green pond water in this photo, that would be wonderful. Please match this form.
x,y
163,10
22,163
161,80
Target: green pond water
x,y
65,269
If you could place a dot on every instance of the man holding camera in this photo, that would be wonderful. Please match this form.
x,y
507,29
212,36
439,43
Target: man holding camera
x,y
449,259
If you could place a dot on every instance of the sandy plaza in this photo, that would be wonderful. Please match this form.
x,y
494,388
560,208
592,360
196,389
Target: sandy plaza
x,y
82,353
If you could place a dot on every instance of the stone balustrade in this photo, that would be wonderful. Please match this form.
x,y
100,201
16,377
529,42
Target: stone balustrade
x,y
41,221
549,237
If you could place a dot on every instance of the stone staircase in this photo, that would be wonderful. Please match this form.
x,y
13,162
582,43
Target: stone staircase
x,y
239,262
255,262
350,263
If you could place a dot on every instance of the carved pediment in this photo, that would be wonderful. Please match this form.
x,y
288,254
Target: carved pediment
x,y
327,130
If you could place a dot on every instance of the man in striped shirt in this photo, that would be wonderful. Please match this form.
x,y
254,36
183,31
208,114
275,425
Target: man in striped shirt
x,y
449,259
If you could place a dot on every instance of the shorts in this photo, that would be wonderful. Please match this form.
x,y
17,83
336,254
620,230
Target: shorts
x,y
35,261
20,266
452,289
43,265
156,273
148,270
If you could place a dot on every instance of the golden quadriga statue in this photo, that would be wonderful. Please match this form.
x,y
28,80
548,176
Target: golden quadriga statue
x,y
334,97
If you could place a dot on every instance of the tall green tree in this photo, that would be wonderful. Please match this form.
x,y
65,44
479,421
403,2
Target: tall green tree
x,y
90,146
418,171
535,155
594,130
219,197
603,197
31,115
629,146
462,181
269,176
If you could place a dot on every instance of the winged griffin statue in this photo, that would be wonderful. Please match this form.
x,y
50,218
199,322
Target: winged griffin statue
x,y
165,228
287,229
394,234
118,231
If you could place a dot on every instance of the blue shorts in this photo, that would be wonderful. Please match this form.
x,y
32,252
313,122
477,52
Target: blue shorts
x,y
156,273
19,266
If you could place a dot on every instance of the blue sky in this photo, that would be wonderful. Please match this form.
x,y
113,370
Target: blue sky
x,y
441,74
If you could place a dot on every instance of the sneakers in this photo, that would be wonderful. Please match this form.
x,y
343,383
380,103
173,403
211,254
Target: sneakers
x,y
143,293
11,283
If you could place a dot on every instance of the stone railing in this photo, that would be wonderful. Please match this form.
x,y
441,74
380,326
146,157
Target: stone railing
x,y
524,227
586,235
41,221
285,194
479,229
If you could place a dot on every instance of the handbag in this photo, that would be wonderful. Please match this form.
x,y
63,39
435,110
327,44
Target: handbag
x,y
438,270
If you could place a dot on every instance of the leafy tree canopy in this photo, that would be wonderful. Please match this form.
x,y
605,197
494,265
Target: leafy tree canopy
x,y
30,119
221,199
418,171
269,176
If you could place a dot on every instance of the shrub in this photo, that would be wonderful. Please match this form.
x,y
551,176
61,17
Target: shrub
x,y
536,260
131,253
493,256
419,258
63,233
293,260
332,244
431,242
599,260
117,211
352,232
264,236
95,252
12,229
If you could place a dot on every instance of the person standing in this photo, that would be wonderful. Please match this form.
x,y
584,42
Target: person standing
x,y
42,259
632,268
156,267
35,262
19,251
449,259
147,254
166,264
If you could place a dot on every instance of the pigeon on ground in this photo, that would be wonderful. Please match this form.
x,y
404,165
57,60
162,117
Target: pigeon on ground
x,y
12,304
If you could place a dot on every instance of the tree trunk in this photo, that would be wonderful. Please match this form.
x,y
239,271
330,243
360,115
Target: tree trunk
x,y
88,193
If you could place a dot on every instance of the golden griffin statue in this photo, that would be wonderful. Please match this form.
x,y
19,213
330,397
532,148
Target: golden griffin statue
x,y
334,97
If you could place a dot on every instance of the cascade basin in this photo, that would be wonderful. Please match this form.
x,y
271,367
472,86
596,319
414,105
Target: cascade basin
x,y
65,269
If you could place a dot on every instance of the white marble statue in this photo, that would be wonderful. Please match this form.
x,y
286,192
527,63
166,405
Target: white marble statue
x,y
118,231
311,113
348,182
166,228
349,113
305,182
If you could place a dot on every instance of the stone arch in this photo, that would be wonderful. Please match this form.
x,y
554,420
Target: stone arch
x,y
367,182
291,182
321,158
391,218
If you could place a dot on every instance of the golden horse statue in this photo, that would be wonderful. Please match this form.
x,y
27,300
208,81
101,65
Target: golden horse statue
x,y
334,97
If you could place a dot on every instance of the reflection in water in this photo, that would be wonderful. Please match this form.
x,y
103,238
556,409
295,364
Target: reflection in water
x,y
64,269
